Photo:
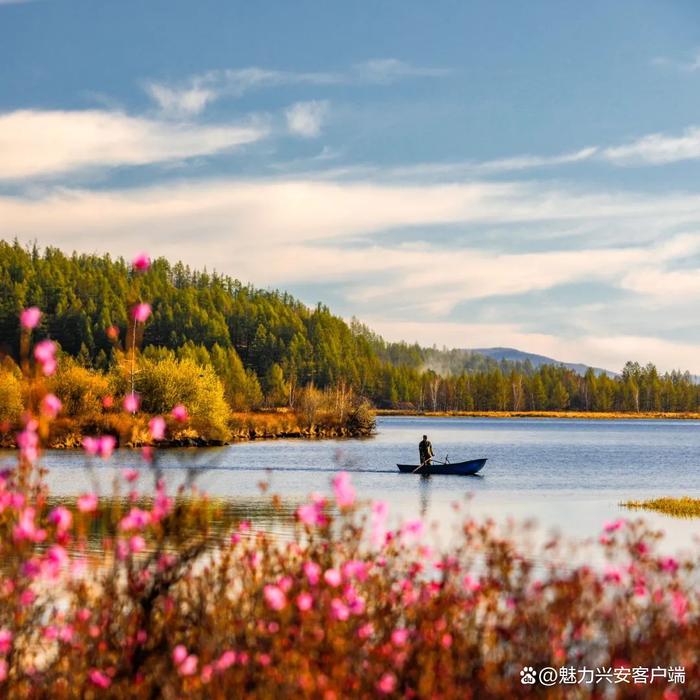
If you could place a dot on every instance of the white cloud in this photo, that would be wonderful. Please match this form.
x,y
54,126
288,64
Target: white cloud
x,y
657,149
37,143
688,66
306,118
195,92
180,103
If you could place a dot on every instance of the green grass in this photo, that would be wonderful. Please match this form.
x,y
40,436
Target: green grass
x,y
684,507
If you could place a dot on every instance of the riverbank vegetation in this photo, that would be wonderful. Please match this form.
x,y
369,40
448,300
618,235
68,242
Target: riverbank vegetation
x,y
683,507
266,350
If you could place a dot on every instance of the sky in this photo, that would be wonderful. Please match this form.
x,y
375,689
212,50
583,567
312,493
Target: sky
x,y
468,174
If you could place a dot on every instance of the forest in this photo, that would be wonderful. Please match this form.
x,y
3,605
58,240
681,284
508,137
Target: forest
x,y
267,348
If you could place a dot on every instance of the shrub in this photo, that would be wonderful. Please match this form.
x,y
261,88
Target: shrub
x,y
163,384
80,390
11,403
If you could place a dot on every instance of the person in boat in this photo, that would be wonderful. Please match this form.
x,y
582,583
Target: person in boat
x,y
425,450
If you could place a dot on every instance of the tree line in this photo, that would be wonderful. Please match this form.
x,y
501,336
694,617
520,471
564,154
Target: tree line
x,y
266,347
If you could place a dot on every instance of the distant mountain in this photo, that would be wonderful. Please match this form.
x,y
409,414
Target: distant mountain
x,y
513,355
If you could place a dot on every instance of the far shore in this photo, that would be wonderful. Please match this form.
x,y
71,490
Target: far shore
x,y
573,415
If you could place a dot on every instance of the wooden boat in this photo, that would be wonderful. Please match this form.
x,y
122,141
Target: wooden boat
x,y
472,466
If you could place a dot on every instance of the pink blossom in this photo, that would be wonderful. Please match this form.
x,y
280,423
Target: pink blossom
x,y
207,673
343,489
141,262
130,475
87,503
312,514
45,354
55,560
227,659
365,631
612,576
131,403
179,654
274,597
189,666
679,604
354,568
26,528
137,544
387,684
669,564
339,611
100,679
135,519
141,312
312,571
28,441
179,413
399,637
411,530
614,525
27,597
157,427
470,584
6,638
380,511
29,318
332,577
100,446
51,406
122,550
304,601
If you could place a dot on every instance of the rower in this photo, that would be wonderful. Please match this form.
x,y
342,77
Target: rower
x,y
425,450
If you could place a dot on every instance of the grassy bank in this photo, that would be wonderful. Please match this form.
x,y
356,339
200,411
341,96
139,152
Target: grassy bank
x,y
134,431
579,415
683,507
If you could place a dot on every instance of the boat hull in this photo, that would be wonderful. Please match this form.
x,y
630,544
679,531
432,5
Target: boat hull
x,y
468,468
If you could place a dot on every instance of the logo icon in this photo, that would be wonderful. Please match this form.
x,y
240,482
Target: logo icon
x,y
528,676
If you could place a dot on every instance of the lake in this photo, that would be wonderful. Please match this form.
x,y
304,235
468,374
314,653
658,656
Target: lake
x,y
570,475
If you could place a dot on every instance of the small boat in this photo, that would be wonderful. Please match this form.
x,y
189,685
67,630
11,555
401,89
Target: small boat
x,y
462,468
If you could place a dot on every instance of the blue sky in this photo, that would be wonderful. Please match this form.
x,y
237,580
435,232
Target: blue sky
x,y
467,174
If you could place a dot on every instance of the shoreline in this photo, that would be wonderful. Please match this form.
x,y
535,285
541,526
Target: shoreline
x,y
569,415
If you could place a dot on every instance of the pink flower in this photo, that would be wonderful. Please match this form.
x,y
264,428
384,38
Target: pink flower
x,y
179,413
101,446
312,514
87,503
669,564
679,604
189,666
157,427
141,262
26,528
6,638
304,601
354,568
28,441
365,631
274,597
137,544
387,684
343,489
207,673
131,403
135,519
101,680
130,475
29,318
51,406
470,584
339,611
614,525
312,571
179,654
332,577
141,312
399,637
45,355
380,511
56,559
227,659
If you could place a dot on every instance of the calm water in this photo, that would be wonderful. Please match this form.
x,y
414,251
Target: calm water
x,y
568,475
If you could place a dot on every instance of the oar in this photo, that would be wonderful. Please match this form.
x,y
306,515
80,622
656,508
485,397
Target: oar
x,y
430,459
